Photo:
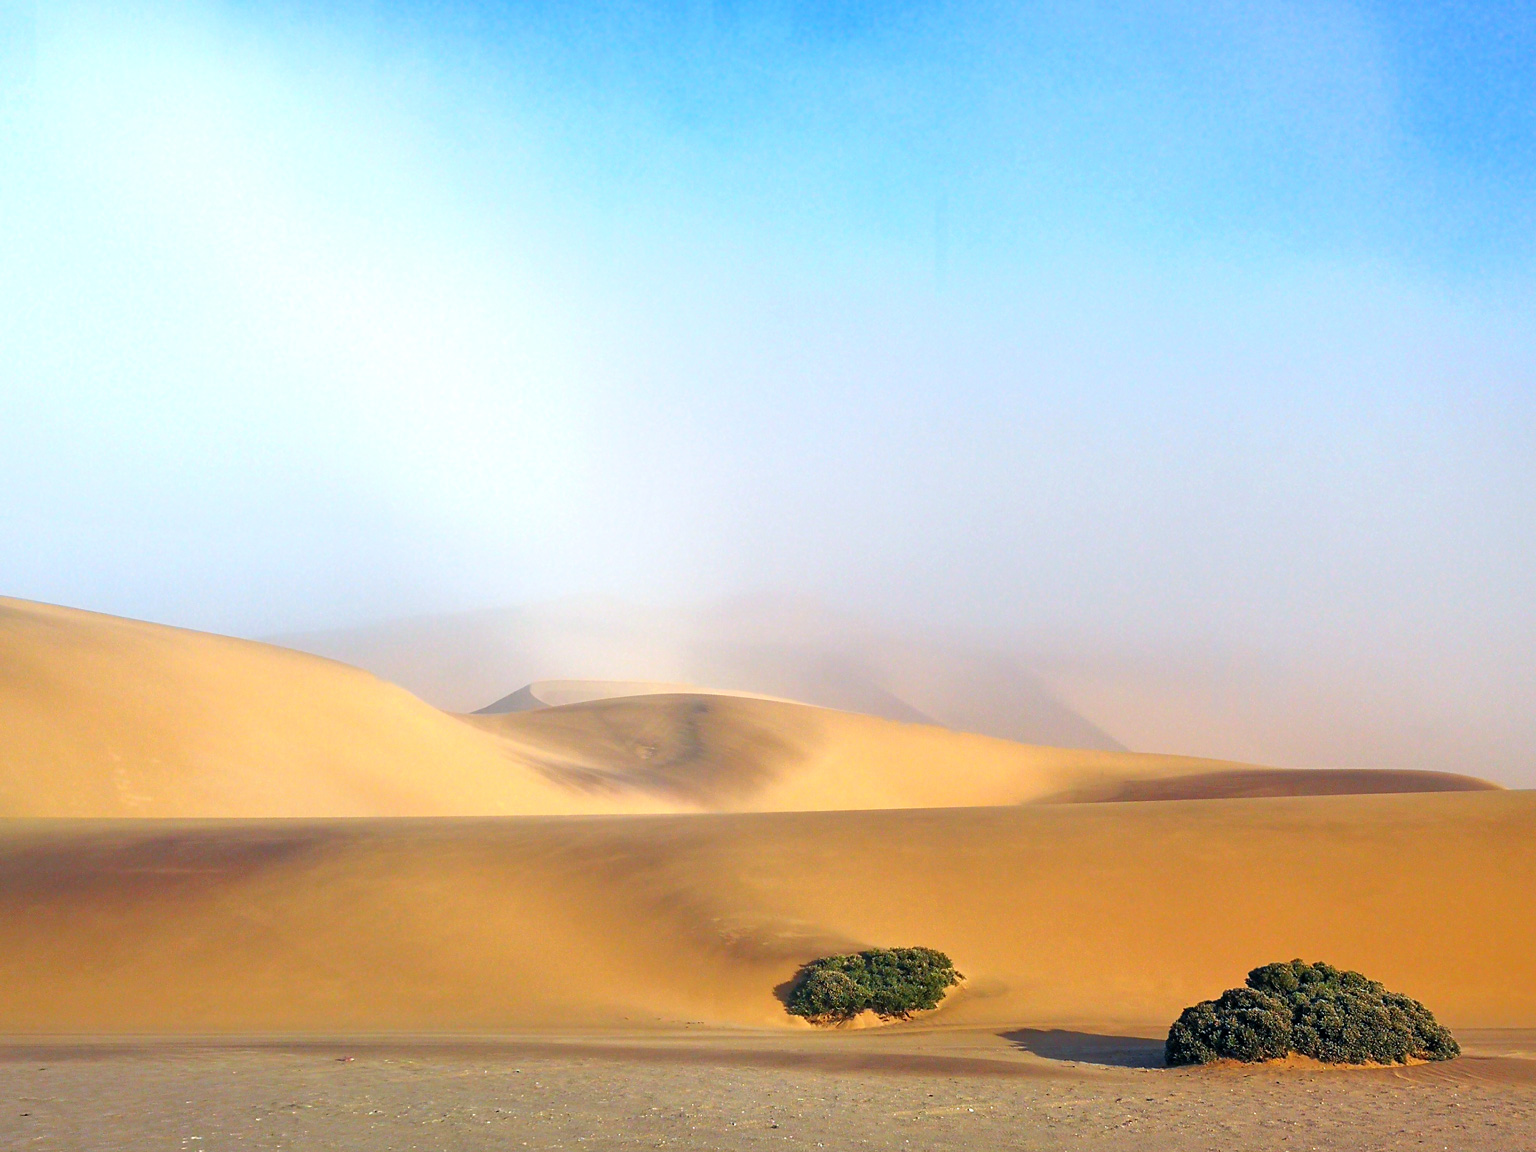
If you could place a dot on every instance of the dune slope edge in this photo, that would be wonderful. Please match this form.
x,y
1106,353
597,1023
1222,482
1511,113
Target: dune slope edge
x,y
1101,917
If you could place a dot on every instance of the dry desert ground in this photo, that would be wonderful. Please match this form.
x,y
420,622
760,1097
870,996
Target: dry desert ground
x,y
255,898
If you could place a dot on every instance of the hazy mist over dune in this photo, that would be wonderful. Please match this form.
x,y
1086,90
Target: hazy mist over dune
x,y
1183,362
1083,690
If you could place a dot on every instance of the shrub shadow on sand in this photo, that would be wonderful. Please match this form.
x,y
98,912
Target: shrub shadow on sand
x,y
1089,1048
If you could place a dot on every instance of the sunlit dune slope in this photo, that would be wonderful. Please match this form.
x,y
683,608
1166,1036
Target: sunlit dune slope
x,y
107,717
1101,917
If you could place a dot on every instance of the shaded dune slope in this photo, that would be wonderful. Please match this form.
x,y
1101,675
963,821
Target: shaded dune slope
x,y
103,717
1100,917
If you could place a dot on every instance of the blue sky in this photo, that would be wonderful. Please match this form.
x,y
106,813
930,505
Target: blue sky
x,y
1186,323
1237,131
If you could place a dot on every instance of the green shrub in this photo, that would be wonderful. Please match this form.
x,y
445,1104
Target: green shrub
x,y
1315,1010
1241,1024
829,994
891,982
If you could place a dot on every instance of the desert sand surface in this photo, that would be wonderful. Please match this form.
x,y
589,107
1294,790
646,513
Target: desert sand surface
x,y
962,1091
104,717
1094,917
256,897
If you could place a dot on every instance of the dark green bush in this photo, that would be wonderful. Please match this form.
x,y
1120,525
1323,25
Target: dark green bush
x,y
1241,1025
1315,1010
891,982
829,994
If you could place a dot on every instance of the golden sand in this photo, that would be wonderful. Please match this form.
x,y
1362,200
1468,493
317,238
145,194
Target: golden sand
x,y
212,835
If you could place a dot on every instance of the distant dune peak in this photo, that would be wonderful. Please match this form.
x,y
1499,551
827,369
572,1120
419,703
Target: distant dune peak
x,y
768,647
703,749
555,693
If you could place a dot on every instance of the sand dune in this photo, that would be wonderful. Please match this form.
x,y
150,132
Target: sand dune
x,y
1101,917
784,649
107,717
1315,706
648,861
734,753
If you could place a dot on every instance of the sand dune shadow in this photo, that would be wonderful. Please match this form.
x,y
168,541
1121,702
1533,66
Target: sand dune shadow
x,y
1089,1048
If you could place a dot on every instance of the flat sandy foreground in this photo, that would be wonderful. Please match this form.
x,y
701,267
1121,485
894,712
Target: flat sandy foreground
x,y
920,1089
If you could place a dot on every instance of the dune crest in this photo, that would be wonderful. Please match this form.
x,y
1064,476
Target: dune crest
x,y
555,693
